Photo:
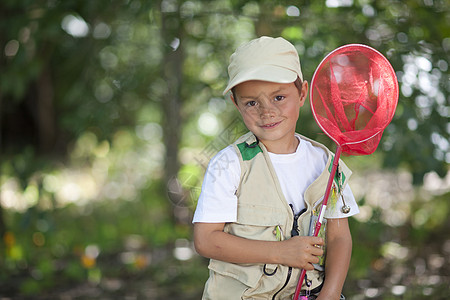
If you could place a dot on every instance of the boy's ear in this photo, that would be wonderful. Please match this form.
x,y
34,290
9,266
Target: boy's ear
x,y
304,92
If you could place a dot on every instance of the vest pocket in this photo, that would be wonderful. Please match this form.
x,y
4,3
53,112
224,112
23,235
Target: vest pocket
x,y
259,222
247,274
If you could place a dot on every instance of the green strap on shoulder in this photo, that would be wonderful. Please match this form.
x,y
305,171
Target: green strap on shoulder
x,y
248,152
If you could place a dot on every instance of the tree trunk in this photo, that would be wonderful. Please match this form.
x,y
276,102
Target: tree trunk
x,y
2,220
172,35
45,112
2,65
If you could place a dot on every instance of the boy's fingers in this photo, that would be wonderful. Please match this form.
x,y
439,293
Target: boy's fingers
x,y
314,250
315,260
316,241
317,252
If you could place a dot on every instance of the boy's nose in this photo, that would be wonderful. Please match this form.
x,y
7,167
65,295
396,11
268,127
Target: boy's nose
x,y
267,110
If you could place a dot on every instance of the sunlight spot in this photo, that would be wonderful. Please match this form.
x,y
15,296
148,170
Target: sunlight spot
x,y
398,290
433,183
175,44
101,31
443,65
102,149
75,26
436,261
51,183
108,59
371,292
182,250
407,90
293,11
392,250
423,101
412,124
70,192
31,195
103,92
368,10
440,141
423,63
210,72
339,3
208,124
425,83
10,195
92,251
11,48
149,132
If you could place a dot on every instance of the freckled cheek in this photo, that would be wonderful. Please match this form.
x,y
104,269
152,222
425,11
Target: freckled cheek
x,y
249,120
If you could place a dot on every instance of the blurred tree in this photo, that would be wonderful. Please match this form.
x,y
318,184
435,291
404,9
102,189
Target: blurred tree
x,y
173,38
73,67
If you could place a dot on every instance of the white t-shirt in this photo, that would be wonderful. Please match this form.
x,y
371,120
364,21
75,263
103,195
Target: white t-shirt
x,y
296,171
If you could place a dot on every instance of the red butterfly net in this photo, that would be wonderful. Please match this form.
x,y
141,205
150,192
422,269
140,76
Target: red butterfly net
x,y
354,94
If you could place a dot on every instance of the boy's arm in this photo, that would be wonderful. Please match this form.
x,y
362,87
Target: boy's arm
x,y
339,251
211,241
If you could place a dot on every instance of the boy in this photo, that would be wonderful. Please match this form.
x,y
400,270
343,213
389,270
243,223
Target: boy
x,y
261,194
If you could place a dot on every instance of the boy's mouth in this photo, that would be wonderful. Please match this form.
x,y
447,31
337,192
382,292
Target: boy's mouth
x,y
270,125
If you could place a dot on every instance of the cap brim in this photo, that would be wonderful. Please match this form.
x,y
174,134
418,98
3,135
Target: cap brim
x,y
263,73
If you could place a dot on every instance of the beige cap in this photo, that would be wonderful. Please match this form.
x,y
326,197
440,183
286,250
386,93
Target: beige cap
x,y
266,59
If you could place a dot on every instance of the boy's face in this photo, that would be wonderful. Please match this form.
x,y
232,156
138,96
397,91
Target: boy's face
x,y
270,110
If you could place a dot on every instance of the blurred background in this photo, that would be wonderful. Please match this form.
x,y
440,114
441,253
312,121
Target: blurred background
x,y
111,109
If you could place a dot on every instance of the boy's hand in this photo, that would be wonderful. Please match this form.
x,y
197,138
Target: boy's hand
x,y
301,252
297,252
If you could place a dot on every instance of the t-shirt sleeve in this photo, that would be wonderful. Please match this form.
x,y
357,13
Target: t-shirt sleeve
x,y
334,210
218,202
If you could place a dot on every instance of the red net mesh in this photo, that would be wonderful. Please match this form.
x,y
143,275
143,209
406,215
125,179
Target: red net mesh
x,y
354,93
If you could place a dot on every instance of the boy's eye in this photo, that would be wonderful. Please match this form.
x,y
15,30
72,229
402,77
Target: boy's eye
x,y
279,98
250,103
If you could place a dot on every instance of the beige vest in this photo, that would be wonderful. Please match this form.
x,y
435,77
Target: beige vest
x,y
262,214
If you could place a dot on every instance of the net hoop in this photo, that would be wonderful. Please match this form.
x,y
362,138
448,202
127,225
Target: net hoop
x,y
389,74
